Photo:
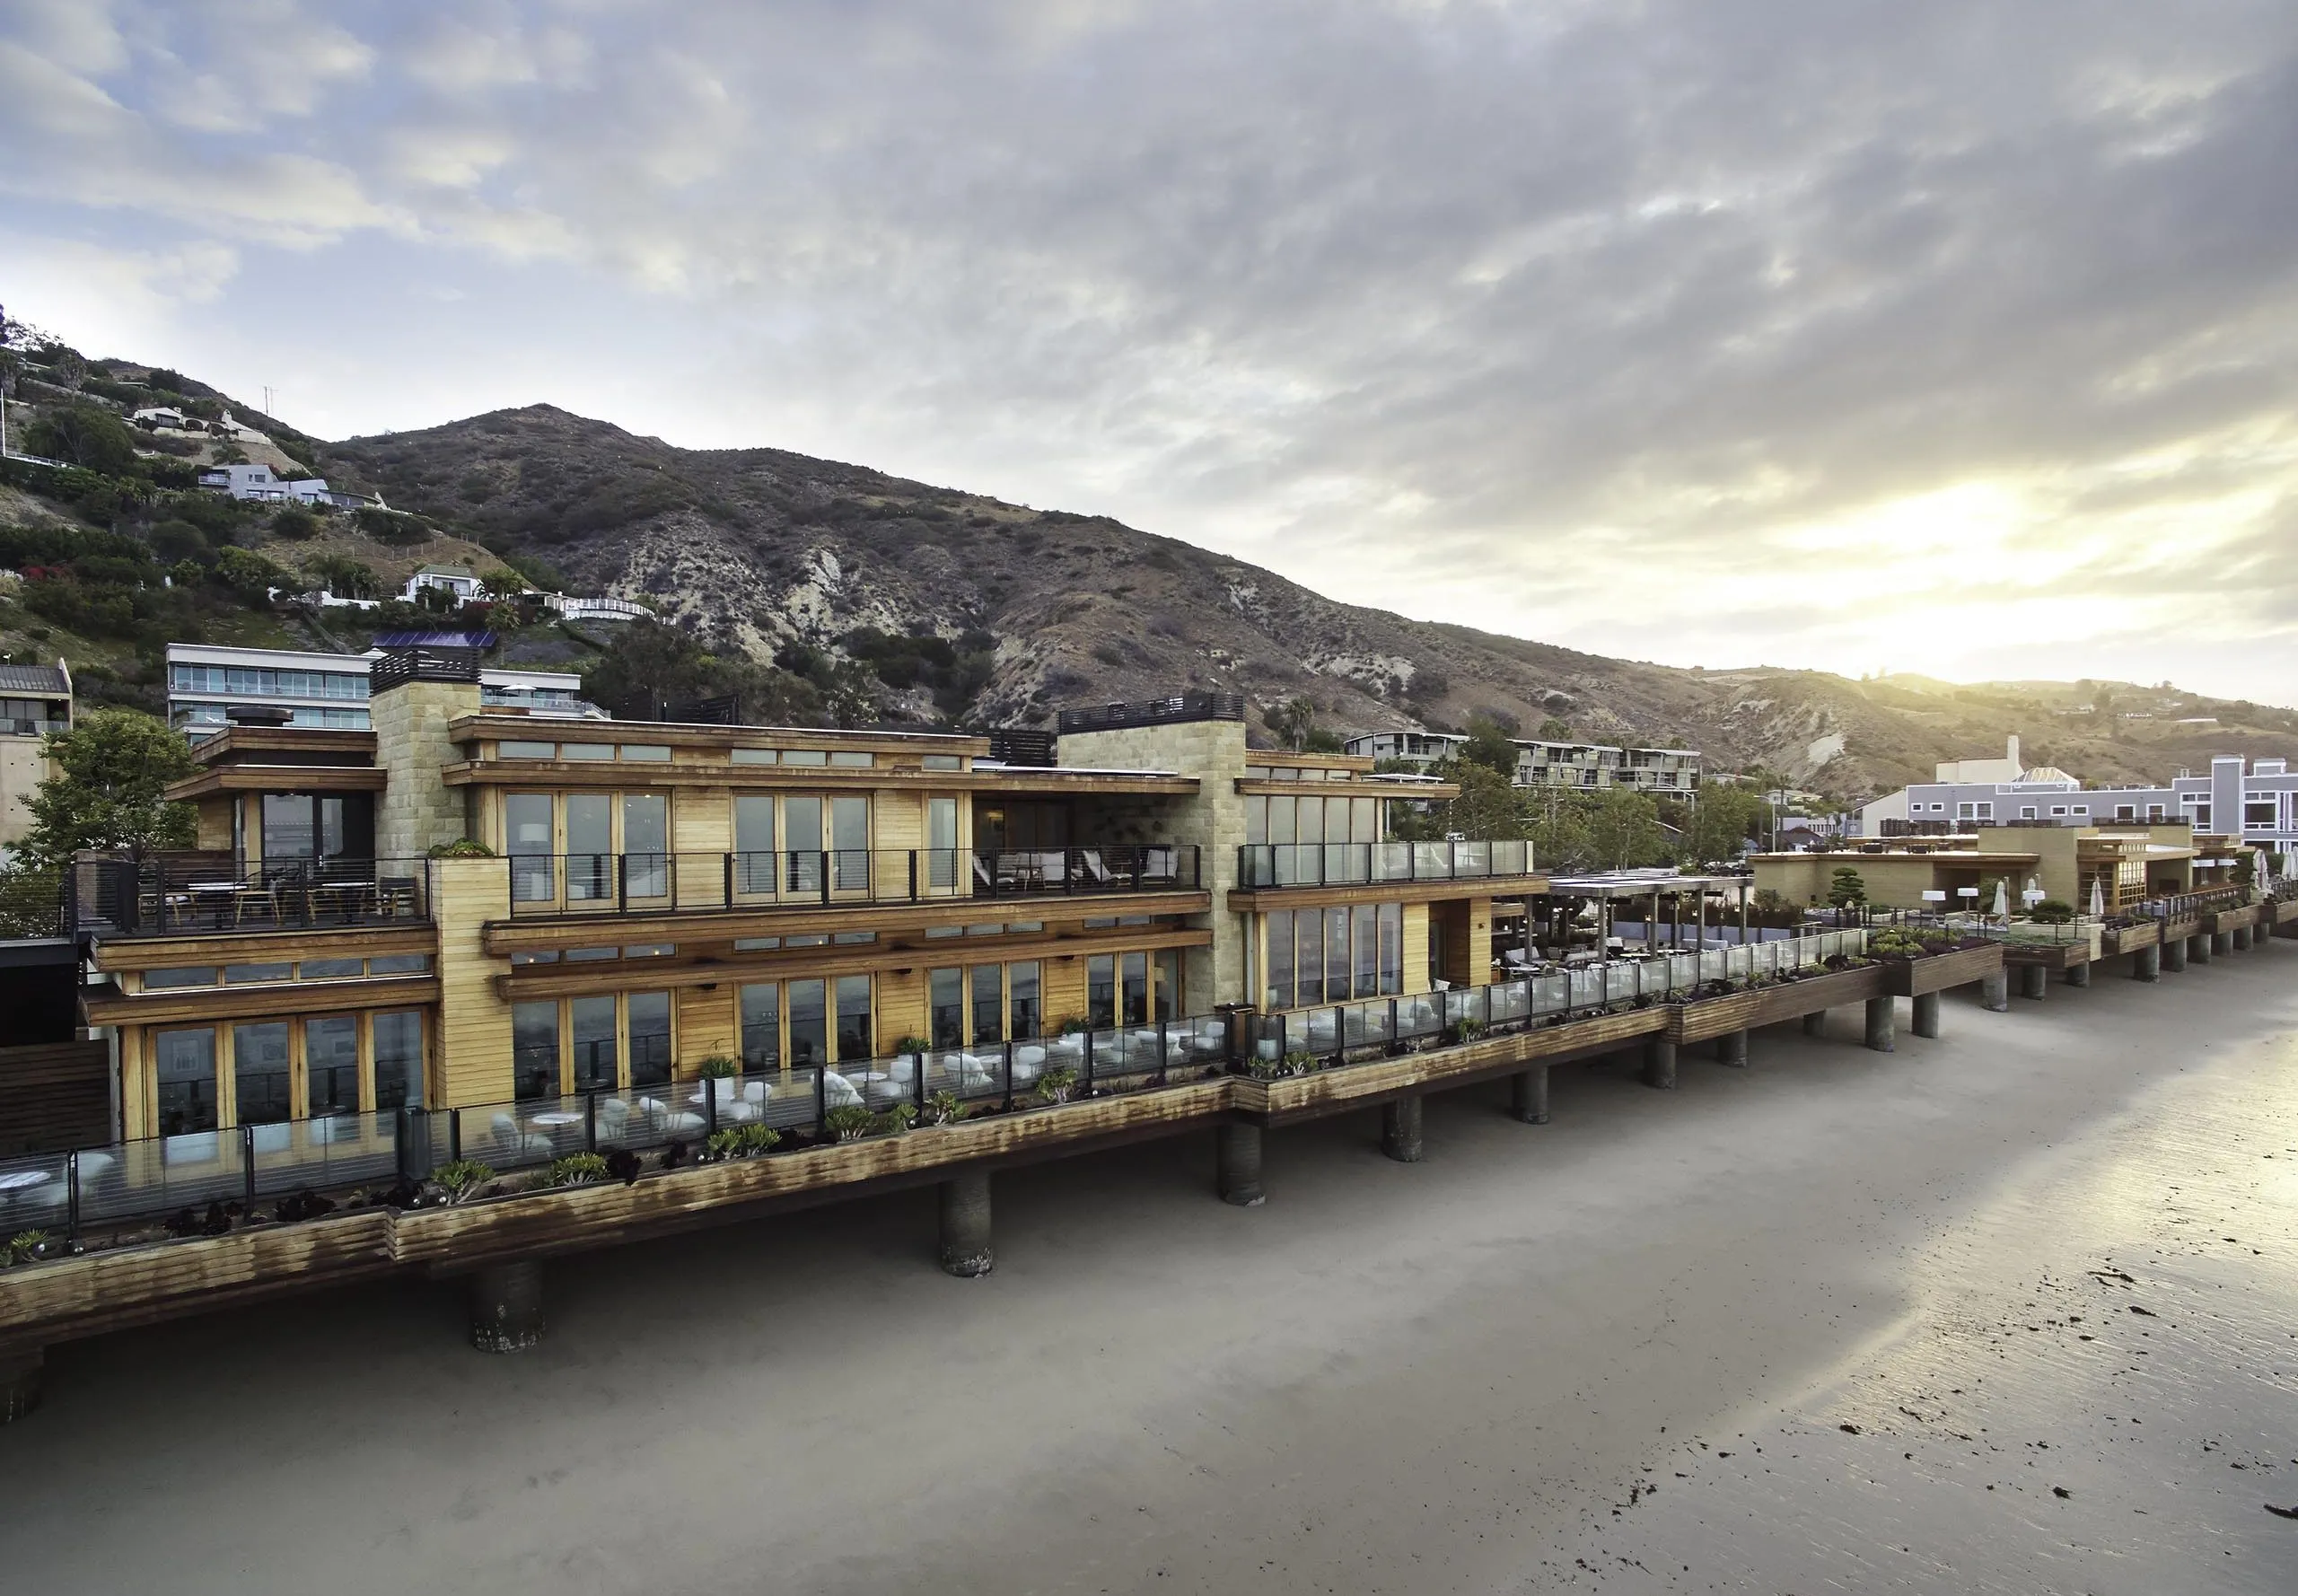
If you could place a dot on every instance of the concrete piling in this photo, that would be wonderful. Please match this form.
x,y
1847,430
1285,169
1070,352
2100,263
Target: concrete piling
x,y
966,1251
1237,1155
1400,1129
1528,1096
1926,1005
2199,949
1995,992
2147,964
1660,1063
2034,982
20,1374
1882,1024
2078,975
2174,954
2243,939
506,1306
1815,1023
1731,1049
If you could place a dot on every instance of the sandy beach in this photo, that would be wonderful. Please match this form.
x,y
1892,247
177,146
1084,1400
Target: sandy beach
x,y
2011,1311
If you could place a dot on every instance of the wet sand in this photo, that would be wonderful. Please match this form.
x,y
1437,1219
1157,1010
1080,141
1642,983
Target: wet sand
x,y
1467,1374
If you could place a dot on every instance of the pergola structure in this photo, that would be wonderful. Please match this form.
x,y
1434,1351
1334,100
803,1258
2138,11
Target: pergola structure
x,y
1567,896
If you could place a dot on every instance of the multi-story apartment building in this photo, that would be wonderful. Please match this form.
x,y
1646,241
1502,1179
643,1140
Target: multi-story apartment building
x,y
34,701
2254,803
1585,765
465,904
207,681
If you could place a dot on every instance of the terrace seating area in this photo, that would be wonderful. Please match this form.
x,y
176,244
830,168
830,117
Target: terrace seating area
x,y
183,894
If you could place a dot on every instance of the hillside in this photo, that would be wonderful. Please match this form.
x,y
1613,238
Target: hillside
x,y
947,605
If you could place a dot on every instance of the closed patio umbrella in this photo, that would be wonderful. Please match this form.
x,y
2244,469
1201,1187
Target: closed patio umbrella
x,y
2001,910
2097,898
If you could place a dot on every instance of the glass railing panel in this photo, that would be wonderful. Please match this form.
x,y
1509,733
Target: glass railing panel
x,y
1419,1014
1587,987
1391,861
1432,861
1345,863
1472,858
1511,1002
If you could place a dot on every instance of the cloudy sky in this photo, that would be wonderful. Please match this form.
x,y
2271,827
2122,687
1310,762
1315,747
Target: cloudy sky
x,y
1951,337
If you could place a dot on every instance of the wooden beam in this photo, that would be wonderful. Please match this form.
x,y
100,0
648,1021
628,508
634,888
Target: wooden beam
x,y
206,1004
539,934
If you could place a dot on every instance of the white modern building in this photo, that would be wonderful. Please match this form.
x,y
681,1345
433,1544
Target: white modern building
x,y
2255,800
1584,765
256,482
206,682
34,701
460,581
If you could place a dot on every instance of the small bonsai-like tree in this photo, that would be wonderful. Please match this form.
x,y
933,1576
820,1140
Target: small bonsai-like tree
x,y
2051,911
1846,888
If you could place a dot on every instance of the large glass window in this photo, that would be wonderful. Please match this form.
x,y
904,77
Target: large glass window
x,y
534,1049
526,825
754,844
398,1060
647,845
1336,955
287,828
260,1074
1168,1000
331,1065
988,982
801,830
853,1016
809,1026
1279,934
946,997
761,1026
648,1017
590,847
1321,956
1133,969
184,1061
1027,1011
849,827
591,1022
1390,926
1101,991
942,843
1363,976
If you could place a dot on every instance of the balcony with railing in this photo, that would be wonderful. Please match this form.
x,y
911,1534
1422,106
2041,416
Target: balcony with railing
x,y
574,884
210,894
1369,864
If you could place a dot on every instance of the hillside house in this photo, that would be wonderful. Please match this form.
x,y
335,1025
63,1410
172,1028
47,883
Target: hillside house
x,y
460,581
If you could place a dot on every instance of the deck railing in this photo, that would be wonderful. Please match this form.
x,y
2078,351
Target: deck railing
x,y
176,896
1351,864
656,883
1342,1028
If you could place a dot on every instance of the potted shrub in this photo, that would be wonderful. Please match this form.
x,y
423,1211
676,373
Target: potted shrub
x,y
1057,1084
850,1122
720,1080
894,1119
578,1169
25,1246
944,1108
2051,911
462,1178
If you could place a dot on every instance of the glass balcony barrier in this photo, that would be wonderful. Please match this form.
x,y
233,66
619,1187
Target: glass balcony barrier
x,y
179,895
635,883
1364,863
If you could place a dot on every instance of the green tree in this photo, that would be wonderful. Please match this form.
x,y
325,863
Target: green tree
x,y
298,523
1488,746
1487,808
1561,837
1723,818
83,436
111,769
344,576
1624,829
1553,730
502,585
249,574
652,670
1844,887
1294,721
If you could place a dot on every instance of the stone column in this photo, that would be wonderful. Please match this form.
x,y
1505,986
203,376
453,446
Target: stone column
x,y
1528,1096
1732,1048
2199,949
965,1226
1882,1024
2243,939
1237,1155
2078,975
2221,943
1926,1014
2034,982
1400,1129
19,1373
2173,953
1660,1064
1815,1023
506,1306
2147,964
1994,991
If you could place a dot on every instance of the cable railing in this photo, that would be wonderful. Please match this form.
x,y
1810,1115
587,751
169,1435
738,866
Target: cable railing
x,y
1352,864
1341,1028
654,883
174,895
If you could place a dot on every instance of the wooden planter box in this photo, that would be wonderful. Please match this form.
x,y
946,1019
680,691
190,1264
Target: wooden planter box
x,y
2047,955
2229,919
1331,1092
2129,939
1942,971
1769,1006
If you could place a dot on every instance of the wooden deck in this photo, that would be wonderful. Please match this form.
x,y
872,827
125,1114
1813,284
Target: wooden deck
x,y
110,1290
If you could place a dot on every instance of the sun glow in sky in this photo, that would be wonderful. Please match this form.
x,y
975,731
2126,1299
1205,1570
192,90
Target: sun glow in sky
x,y
1957,337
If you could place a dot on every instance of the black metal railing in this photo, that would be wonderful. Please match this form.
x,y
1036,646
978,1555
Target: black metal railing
x,y
169,895
1154,712
653,883
1351,864
396,667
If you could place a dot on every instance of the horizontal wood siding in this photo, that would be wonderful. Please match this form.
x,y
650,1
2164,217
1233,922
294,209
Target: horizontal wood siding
x,y
1942,970
55,1097
1769,1006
